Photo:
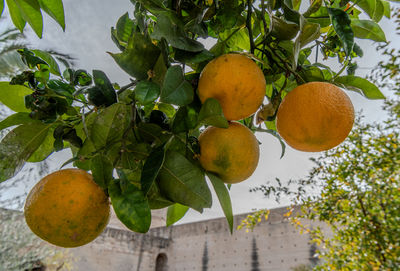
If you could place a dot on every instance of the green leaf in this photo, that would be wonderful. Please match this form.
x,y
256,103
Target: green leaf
x,y
49,59
139,57
103,94
168,109
1,7
170,27
360,85
314,7
386,9
152,133
211,114
156,199
342,24
82,78
18,145
185,120
109,125
283,30
374,8
12,96
176,90
309,33
83,156
130,206
193,57
183,182
151,168
146,92
17,119
45,149
223,197
55,9
102,170
30,10
365,29
16,15
379,11
124,27
154,6
175,213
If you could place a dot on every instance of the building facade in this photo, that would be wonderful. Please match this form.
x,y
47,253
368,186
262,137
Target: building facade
x,y
273,245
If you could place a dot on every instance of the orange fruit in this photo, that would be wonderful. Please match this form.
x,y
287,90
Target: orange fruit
x,y
236,82
231,153
67,208
314,117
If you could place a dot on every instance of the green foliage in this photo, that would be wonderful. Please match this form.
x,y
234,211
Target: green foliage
x,y
30,11
147,131
354,188
359,201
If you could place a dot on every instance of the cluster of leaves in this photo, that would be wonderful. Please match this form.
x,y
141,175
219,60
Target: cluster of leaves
x,y
20,249
30,11
359,201
140,140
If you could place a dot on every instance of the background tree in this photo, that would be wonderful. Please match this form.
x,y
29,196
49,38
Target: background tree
x,y
20,249
354,189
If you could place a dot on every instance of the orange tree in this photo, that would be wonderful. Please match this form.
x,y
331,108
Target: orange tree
x,y
135,138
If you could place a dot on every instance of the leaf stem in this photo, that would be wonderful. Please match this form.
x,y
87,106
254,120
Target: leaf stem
x,y
341,70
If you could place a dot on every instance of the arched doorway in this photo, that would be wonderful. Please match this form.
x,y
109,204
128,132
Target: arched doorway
x,y
161,262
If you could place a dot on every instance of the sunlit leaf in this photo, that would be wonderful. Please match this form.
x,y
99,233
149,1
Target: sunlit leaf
x,y
16,15
365,29
49,59
30,10
175,213
55,9
12,96
360,85
17,119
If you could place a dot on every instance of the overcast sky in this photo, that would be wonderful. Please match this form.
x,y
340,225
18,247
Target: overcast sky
x,y
87,38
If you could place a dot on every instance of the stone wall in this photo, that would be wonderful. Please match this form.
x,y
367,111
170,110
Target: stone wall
x,y
207,245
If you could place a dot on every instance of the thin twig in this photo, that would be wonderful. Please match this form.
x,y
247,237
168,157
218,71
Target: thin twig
x,y
131,84
248,25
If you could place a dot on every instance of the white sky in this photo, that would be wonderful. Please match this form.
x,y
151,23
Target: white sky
x,y
87,38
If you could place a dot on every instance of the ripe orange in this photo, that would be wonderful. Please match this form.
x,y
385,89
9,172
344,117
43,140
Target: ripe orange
x,y
236,82
67,208
314,117
231,153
